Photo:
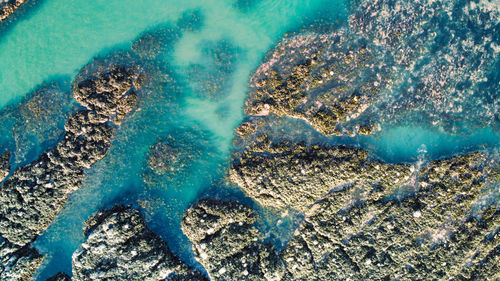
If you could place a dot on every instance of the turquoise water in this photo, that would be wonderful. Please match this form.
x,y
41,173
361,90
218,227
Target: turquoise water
x,y
199,79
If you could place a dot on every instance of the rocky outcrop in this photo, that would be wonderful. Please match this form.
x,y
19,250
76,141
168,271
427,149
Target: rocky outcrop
x,y
119,246
296,175
396,62
436,225
32,196
227,244
8,8
17,263
4,165
324,79
430,235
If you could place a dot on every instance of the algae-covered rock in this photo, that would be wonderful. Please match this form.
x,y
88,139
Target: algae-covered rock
x,y
324,79
32,196
119,246
296,175
17,263
4,165
227,244
430,235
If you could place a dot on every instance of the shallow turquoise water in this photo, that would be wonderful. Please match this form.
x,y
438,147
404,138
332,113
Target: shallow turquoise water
x,y
204,90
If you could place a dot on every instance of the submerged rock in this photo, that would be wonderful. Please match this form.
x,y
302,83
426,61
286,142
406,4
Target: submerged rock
x,y
4,165
446,59
17,263
422,61
60,277
35,193
227,244
172,157
39,120
295,175
119,246
9,7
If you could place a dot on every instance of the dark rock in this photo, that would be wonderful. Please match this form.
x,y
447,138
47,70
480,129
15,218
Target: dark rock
x,y
35,193
4,165
227,244
119,246
18,263
60,277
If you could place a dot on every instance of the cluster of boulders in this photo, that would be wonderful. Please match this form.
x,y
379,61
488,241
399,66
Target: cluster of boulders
x,y
119,246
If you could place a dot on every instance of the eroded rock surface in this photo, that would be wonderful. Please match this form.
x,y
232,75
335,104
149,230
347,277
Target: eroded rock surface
x,y
4,165
35,193
296,175
227,244
17,263
119,246
431,235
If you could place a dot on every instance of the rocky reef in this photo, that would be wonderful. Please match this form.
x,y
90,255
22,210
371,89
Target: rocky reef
x,y
325,79
18,263
34,194
426,227
296,175
119,246
393,62
227,244
9,7
4,165
431,234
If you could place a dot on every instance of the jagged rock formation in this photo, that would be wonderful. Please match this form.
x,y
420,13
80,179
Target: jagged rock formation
x,y
34,194
429,236
227,243
6,9
295,175
119,246
4,165
433,226
17,263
